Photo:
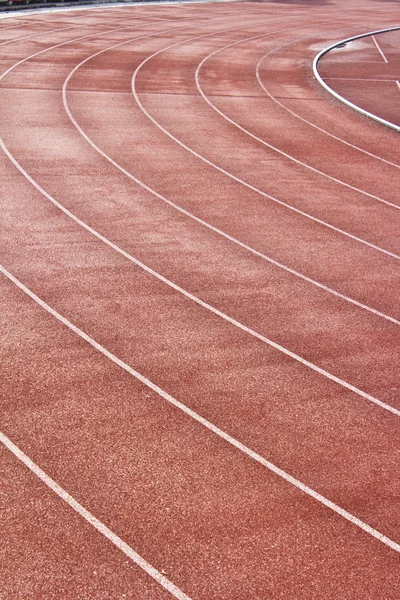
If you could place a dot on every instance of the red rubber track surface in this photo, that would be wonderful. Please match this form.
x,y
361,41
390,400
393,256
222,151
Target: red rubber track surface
x,y
188,217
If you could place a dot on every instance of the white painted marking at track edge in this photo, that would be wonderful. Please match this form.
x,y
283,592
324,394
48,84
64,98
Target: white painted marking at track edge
x,y
270,146
33,35
210,426
380,50
98,525
194,217
197,300
187,294
358,79
317,127
241,181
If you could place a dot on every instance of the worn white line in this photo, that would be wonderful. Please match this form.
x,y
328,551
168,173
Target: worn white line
x,y
270,146
201,221
241,181
314,125
210,426
380,50
190,296
184,292
15,26
198,301
41,33
85,37
357,79
86,25
90,518
398,84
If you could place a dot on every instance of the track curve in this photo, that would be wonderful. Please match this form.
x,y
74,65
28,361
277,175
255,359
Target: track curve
x,y
344,43
200,283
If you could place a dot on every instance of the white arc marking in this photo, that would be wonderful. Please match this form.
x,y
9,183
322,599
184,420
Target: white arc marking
x,y
191,215
270,146
342,99
187,294
210,426
297,116
238,179
33,35
200,302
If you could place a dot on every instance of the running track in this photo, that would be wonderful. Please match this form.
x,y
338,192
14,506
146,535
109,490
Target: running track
x,y
200,308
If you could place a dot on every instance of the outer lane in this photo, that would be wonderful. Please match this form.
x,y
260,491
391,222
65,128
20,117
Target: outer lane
x,y
65,297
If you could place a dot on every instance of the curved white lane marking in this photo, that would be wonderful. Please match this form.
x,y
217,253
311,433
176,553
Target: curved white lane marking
x,y
210,426
297,116
90,518
14,26
33,35
78,39
185,292
197,219
342,99
241,181
197,300
206,98
88,25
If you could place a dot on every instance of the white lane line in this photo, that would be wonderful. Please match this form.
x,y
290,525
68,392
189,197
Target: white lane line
x,y
270,146
85,37
356,79
197,219
190,296
398,84
380,50
15,26
41,33
200,302
210,426
84,26
241,181
90,518
297,116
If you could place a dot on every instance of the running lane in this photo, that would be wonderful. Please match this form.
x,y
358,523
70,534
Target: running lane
x,y
178,328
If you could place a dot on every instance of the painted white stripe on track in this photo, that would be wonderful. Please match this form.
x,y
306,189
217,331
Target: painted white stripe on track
x,y
380,50
184,292
86,25
210,426
358,79
98,525
206,98
297,116
78,39
42,33
200,302
241,181
197,219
